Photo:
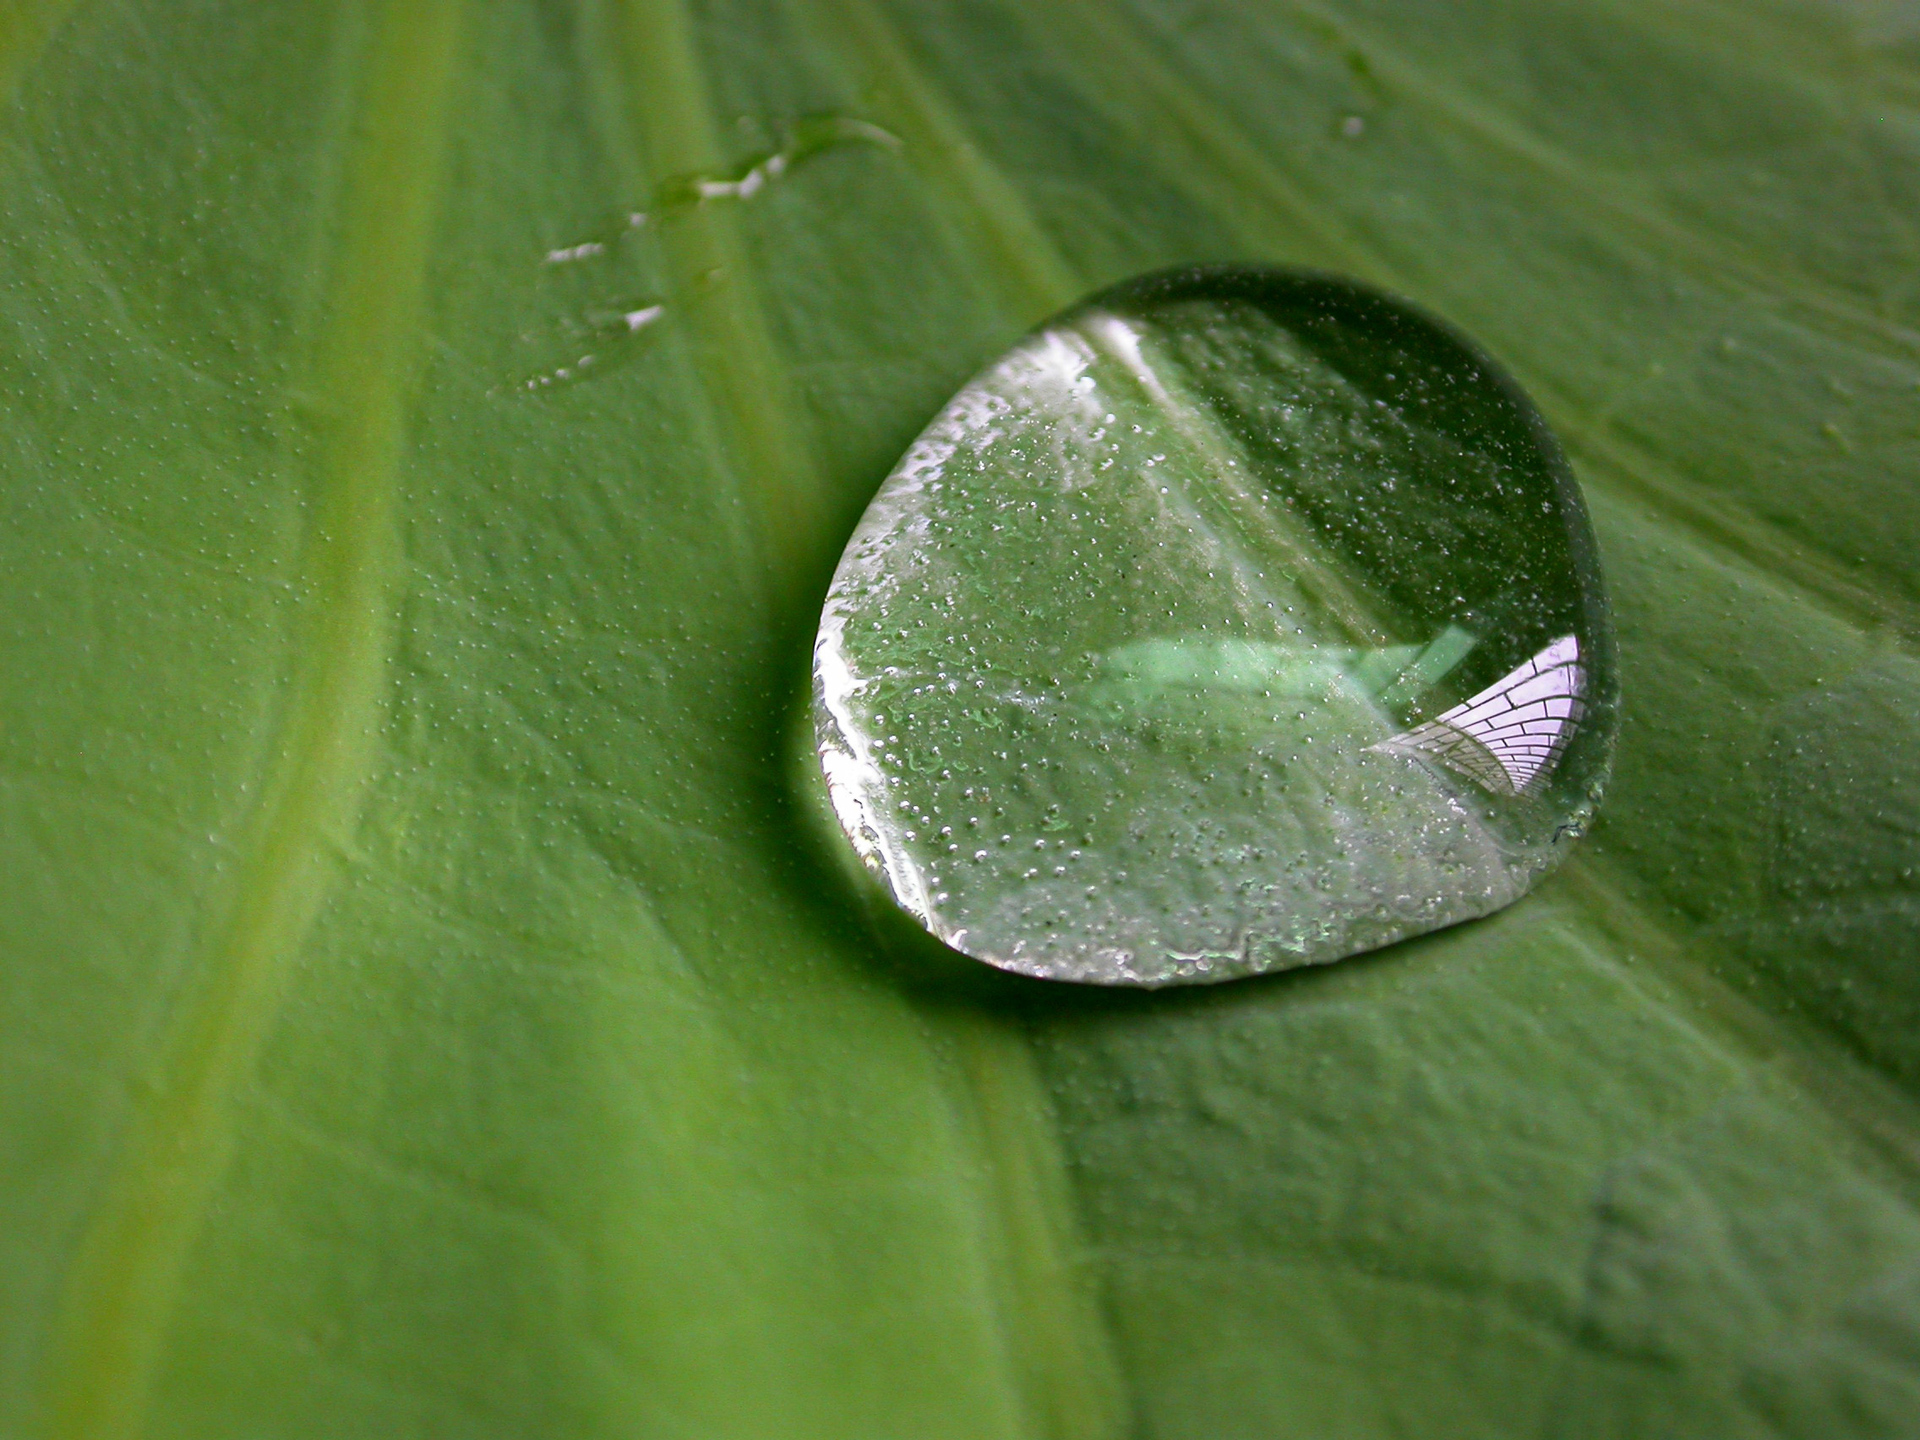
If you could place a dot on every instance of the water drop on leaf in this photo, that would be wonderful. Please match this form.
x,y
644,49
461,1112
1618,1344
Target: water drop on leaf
x,y
1272,589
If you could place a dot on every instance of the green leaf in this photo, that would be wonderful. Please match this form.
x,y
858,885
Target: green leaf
x,y
419,1012
1150,662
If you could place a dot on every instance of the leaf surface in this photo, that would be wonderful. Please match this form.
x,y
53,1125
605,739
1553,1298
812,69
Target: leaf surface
x,y
420,1012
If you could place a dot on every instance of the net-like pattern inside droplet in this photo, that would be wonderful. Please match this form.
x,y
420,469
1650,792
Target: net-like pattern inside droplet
x,y
1130,672
1510,735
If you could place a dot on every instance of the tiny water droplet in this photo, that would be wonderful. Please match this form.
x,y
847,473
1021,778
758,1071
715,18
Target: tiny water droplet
x,y
1274,600
613,332
801,140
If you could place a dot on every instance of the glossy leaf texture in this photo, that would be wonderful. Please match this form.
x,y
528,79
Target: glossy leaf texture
x,y
419,1011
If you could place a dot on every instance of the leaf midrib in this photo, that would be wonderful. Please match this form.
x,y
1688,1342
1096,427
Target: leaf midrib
x,y
119,1299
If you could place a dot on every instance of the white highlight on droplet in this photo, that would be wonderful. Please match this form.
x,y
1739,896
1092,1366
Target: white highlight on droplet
x,y
1510,736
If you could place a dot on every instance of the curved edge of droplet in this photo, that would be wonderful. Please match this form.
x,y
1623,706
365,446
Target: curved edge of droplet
x,y
844,787
915,954
839,787
1602,655
819,752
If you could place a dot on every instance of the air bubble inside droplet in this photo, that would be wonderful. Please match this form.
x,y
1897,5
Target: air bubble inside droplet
x,y
1262,606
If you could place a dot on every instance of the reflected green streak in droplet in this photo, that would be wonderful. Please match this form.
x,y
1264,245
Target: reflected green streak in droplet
x,y
1237,619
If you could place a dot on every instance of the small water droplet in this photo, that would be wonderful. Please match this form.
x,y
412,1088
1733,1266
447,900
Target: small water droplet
x,y
612,332
801,140
1280,626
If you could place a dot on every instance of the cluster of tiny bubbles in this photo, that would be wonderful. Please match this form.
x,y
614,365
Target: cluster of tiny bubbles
x,y
1235,620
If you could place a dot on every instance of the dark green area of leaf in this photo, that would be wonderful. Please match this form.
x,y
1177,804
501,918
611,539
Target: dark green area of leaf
x,y
417,1014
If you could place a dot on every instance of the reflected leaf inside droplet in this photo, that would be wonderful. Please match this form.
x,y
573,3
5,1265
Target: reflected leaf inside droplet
x,y
1236,620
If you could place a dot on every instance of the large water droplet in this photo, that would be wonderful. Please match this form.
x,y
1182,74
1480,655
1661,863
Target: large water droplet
x,y
1237,619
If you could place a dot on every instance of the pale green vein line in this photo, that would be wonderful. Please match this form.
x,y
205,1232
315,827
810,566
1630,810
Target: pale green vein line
x,y
1749,540
1043,1281
1246,526
713,296
1060,1349
122,1290
1743,36
600,54
1715,257
1164,113
1218,147
1018,255
1861,1100
1862,97
1755,544
373,1171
